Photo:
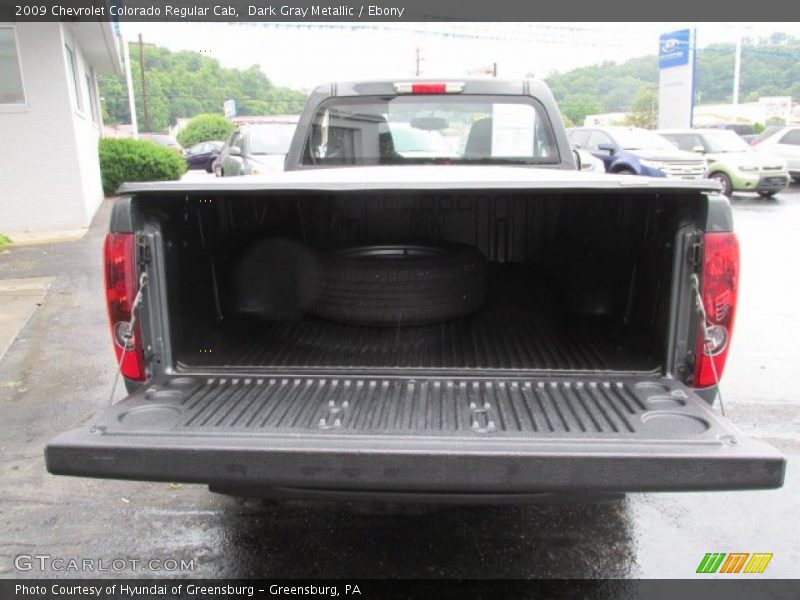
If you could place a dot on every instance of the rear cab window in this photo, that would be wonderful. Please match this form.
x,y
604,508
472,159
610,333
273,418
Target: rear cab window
x,y
396,130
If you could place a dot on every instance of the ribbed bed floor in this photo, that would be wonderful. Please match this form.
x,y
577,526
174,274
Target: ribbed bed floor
x,y
405,407
504,334
615,407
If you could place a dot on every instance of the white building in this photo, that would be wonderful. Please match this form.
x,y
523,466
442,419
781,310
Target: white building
x,y
781,108
50,123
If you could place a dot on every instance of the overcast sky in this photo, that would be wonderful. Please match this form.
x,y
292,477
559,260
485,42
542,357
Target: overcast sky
x,y
303,55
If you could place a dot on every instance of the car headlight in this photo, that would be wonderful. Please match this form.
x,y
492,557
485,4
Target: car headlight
x,y
651,164
748,168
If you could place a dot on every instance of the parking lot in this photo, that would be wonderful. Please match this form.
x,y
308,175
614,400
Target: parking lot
x,y
59,370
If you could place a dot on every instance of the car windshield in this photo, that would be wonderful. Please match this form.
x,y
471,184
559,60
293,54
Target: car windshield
x,y
271,139
430,129
724,141
640,139
768,132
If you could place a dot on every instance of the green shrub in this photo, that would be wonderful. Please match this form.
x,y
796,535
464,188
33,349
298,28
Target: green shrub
x,y
205,128
125,159
4,241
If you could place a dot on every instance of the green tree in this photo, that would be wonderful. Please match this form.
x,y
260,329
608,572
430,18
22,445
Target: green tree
x,y
126,159
203,128
770,67
608,87
578,106
644,110
186,84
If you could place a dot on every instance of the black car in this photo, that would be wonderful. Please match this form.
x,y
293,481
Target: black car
x,y
202,155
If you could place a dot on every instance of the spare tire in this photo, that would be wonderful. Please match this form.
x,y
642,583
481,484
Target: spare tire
x,y
411,283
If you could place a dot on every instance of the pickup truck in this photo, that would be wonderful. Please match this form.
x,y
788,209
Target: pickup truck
x,y
482,323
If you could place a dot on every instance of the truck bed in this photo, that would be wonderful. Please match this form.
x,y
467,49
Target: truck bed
x,y
516,330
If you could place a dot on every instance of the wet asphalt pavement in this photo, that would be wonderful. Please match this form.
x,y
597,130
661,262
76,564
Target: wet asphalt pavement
x,y
58,372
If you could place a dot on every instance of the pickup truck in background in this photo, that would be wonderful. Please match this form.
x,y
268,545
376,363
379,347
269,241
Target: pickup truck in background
x,y
474,319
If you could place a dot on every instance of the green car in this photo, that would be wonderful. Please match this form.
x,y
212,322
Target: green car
x,y
735,165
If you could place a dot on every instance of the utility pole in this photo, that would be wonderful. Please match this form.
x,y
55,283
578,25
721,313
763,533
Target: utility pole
x,y
494,69
737,68
144,86
419,60
129,81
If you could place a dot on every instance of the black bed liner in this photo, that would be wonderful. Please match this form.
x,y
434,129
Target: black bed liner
x,y
519,328
485,435
482,341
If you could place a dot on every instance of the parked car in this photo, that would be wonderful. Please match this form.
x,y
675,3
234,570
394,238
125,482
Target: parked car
x,y
746,131
162,140
255,149
732,162
783,142
494,326
765,134
635,151
202,155
589,162
412,142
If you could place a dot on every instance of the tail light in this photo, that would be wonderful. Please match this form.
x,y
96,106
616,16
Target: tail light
x,y
121,288
719,289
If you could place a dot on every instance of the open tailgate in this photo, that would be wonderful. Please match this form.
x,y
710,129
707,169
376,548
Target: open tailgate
x,y
479,435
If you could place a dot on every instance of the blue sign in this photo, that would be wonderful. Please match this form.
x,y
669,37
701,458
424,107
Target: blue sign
x,y
673,49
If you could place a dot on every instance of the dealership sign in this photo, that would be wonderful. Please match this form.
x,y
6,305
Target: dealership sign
x,y
676,79
673,49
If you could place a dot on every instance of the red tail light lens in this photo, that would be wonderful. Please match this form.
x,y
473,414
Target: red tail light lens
x,y
121,287
428,88
719,290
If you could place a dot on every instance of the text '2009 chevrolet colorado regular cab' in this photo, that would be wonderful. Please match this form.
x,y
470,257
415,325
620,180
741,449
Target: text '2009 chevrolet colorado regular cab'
x,y
463,315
